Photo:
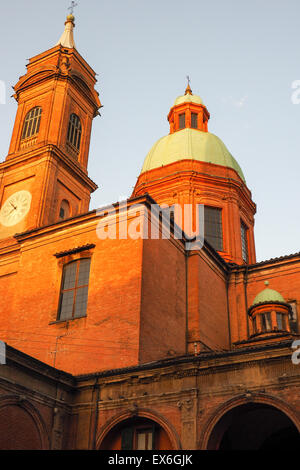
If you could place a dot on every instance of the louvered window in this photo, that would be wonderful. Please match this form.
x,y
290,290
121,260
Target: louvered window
x,y
244,236
74,131
32,123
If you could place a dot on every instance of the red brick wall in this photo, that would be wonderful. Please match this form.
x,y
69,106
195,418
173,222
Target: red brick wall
x,y
207,304
163,309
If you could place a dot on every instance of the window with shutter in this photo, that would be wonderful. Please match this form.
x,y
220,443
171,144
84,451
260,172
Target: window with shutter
x,y
74,290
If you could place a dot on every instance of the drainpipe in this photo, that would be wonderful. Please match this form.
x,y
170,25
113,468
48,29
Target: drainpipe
x,y
186,303
228,308
246,299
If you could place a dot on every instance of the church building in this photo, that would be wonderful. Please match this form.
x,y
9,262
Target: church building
x,y
119,339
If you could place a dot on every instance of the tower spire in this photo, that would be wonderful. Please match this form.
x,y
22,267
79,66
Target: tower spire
x,y
188,90
67,37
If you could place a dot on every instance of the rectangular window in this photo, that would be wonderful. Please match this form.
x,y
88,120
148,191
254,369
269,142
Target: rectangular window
x,y
244,236
194,121
213,231
137,438
181,121
145,439
281,324
74,291
266,324
254,325
293,317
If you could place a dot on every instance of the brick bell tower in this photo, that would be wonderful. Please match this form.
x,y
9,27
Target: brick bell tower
x,y
44,178
192,166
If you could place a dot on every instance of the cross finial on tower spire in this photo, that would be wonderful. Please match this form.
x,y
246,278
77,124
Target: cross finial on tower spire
x,y
188,90
73,5
67,38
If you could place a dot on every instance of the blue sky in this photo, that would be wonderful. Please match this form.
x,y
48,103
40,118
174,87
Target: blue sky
x,y
242,57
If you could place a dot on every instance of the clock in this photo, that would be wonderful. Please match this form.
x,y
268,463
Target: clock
x,y
15,208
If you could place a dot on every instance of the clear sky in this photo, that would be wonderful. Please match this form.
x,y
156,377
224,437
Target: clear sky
x,y
242,57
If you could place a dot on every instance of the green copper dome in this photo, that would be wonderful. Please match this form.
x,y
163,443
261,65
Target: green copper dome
x,y
268,295
190,144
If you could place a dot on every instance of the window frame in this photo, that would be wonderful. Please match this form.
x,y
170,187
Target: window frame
x,y
195,115
74,289
146,430
31,122
265,322
246,241
293,316
181,115
221,238
74,133
66,208
283,319
132,432
254,324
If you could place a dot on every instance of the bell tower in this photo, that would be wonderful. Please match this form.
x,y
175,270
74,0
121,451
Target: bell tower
x,y
44,178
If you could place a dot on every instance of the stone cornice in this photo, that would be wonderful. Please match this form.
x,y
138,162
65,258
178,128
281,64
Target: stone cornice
x,y
205,362
46,150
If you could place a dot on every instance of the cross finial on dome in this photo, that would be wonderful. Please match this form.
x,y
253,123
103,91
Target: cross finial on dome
x,y
188,90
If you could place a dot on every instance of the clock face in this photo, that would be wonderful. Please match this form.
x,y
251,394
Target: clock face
x,y
15,208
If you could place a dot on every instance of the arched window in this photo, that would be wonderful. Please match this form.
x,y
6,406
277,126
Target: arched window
x,y
74,289
32,123
74,131
64,211
244,237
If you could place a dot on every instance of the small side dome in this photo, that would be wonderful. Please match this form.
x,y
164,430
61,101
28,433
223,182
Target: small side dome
x,y
268,295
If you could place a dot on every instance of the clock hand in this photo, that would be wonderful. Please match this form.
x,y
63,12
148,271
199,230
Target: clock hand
x,y
12,205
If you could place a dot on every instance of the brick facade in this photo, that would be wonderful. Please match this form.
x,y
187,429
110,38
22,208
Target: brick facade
x,y
166,353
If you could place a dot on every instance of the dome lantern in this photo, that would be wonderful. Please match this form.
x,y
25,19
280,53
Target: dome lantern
x,y
188,111
191,166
